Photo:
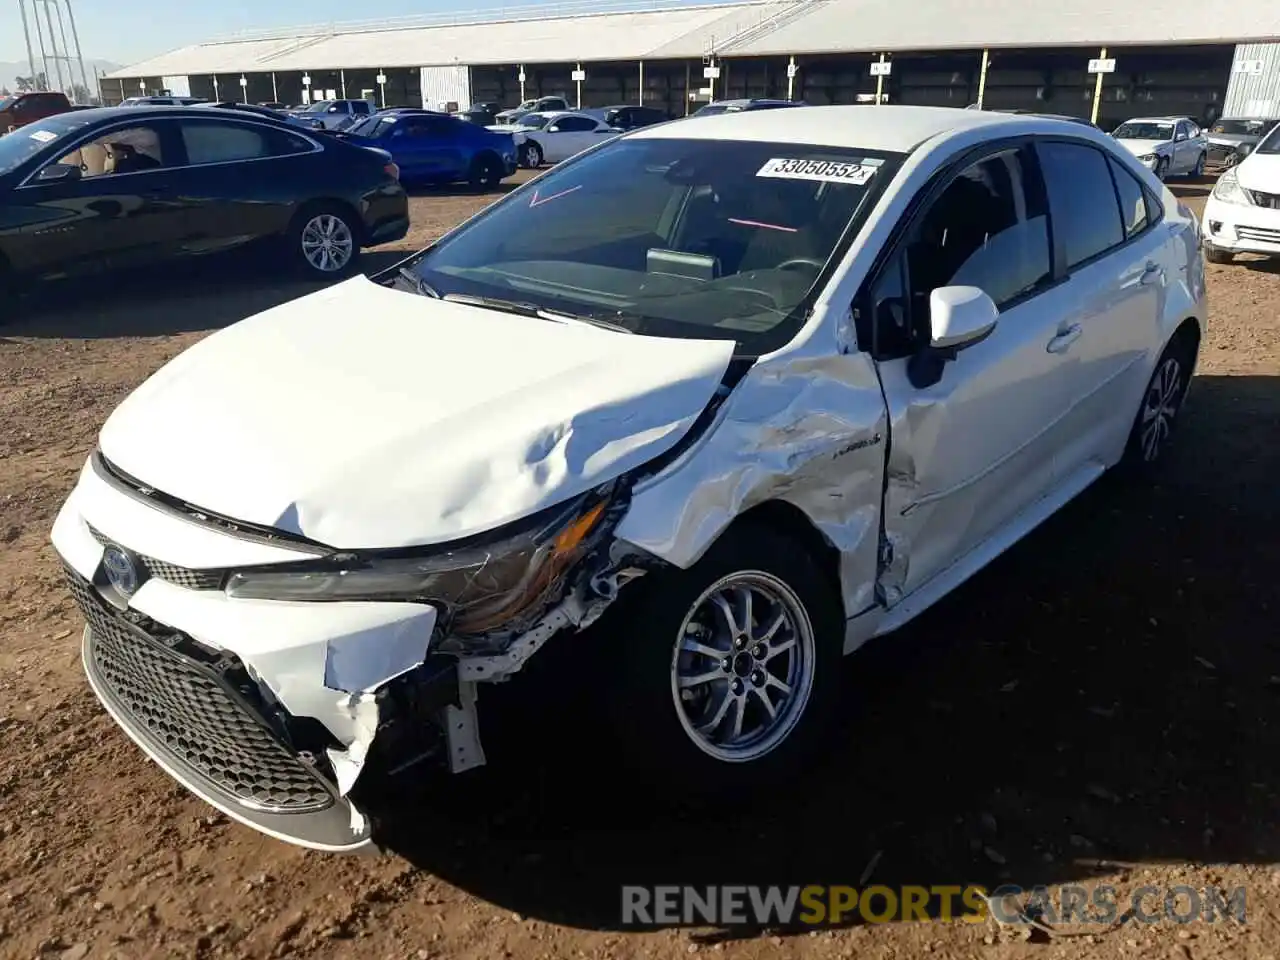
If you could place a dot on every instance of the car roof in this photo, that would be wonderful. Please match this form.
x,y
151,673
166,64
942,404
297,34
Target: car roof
x,y
895,129
199,110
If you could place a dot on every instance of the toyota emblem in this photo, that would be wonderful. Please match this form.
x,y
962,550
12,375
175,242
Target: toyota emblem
x,y
121,569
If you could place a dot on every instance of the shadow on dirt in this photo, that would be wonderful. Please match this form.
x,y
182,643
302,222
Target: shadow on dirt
x,y
1104,692
180,297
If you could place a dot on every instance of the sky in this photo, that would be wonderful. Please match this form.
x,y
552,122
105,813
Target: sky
x,y
127,31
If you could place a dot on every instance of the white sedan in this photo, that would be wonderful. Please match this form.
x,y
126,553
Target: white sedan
x,y
555,136
690,417
1242,214
1167,146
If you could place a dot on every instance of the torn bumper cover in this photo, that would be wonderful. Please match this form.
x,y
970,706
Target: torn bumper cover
x,y
286,715
267,711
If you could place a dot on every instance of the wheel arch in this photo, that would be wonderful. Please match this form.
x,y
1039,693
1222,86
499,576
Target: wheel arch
x,y
320,203
789,520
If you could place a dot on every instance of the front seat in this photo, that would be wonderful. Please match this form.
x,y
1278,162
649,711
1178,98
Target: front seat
x,y
123,158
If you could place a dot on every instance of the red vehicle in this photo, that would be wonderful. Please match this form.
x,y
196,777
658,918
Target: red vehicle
x,y
23,108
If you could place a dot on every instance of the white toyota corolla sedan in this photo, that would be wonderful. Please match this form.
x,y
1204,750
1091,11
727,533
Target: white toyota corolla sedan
x,y
1242,214
724,400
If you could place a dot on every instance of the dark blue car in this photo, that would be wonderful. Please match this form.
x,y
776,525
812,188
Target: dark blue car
x,y
437,148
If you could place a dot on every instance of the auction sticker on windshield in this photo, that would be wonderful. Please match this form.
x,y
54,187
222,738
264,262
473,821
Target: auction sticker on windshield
x,y
823,171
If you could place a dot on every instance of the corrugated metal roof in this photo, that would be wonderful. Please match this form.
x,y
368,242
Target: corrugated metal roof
x,y
763,27
630,35
838,26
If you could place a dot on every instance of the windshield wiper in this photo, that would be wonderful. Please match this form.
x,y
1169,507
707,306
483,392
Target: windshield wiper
x,y
419,285
526,309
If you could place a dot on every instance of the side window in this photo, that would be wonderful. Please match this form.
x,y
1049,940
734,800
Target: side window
x,y
986,230
362,108
1133,200
989,228
222,142
127,150
573,125
282,143
1085,214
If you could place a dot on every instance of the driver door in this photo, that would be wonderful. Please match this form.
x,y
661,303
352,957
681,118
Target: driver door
x,y
566,136
104,214
1185,148
972,451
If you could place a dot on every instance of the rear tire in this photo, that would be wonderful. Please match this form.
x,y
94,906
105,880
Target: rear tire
x,y
713,695
1161,403
324,241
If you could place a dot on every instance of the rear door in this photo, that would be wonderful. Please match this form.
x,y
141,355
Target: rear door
x,y
237,181
430,146
1110,246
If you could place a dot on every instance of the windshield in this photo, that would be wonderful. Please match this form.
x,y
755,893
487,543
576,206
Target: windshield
x,y
7,102
711,109
1144,130
1270,145
1247,128
701,239
535,120
320,107
24,143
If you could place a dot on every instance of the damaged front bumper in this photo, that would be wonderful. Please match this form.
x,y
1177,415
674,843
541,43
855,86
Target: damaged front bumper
x,y
269,711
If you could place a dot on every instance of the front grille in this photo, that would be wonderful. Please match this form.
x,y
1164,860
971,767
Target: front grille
x,y
1271,201
1258,234
186,711
171,572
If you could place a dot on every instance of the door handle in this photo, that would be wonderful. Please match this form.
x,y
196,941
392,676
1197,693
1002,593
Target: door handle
x,y
1151,272
1065,338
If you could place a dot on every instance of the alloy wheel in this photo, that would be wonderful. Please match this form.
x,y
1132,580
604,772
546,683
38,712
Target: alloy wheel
x,y
743,666
1159,408
327,243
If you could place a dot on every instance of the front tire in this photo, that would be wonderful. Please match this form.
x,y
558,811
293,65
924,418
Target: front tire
x,y
324,241
531,155
1218,255
1162,169
1198,172
726,675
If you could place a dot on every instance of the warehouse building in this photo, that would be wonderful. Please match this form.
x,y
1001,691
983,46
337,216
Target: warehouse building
x,y
1075,57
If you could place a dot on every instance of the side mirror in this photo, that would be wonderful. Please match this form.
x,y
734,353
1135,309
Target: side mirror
x,y
57,172
959,318
1179,137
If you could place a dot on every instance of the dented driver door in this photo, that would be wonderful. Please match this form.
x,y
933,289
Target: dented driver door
x,y
971,452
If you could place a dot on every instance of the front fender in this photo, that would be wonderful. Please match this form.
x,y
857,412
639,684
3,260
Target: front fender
x,y
809,431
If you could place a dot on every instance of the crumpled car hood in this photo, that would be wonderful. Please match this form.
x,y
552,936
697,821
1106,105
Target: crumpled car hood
x,y
361,416
1140,148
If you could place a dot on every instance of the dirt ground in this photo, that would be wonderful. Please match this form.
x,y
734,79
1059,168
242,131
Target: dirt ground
x,y
1098,706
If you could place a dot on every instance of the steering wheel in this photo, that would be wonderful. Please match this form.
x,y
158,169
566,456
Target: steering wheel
x,y
795,262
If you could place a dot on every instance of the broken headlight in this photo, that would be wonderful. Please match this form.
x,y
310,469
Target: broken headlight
x,y
479,586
